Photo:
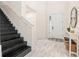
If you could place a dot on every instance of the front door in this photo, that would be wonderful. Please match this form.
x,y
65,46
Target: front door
x,y
56,29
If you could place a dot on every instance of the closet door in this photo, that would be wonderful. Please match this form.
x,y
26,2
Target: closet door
x,y
56,25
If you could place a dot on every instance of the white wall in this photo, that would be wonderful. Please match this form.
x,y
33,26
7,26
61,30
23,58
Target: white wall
x,y
14,5
41,20
30,14
40,9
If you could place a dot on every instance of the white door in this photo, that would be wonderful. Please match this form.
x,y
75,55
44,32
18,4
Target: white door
x,y
56,29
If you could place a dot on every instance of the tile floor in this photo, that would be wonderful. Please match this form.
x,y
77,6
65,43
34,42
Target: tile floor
x,y
47,48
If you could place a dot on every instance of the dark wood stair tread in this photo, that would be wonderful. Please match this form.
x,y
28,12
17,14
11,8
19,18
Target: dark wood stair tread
x,y
20,52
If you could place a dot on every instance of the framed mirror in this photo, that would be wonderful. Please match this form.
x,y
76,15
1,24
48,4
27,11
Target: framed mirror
x,y
73,17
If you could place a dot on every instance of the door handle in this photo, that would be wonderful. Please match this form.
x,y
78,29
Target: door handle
x,y
52,27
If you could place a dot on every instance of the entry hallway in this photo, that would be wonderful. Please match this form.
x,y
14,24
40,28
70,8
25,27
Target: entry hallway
x,y
47,48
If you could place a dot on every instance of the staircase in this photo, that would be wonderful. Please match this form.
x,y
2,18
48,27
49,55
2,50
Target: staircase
x,y
12,44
